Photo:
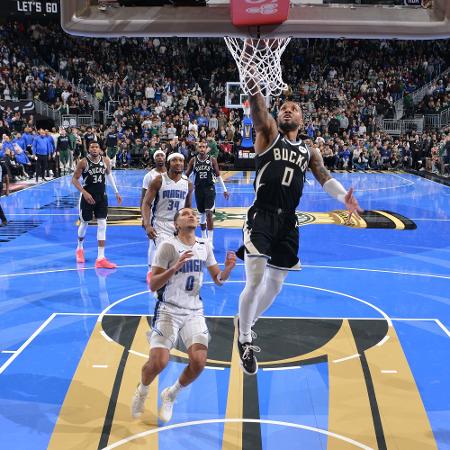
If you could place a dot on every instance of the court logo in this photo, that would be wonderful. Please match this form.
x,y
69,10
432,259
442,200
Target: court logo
x,y
234,217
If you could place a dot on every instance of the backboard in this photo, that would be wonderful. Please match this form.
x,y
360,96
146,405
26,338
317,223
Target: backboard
x,y
306,18
235,96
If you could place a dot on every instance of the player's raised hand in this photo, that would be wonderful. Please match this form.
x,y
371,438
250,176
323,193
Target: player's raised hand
x,y
226,195
183,258
230,260
119,198
352,204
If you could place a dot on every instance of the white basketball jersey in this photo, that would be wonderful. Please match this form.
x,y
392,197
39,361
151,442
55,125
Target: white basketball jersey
x,y
149,177
183,288
171,198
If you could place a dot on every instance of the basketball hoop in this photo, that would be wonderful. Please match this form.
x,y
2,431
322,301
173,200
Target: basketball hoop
x,y
259,64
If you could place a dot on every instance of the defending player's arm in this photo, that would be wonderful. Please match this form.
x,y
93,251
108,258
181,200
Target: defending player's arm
x,y
188,201
330,185
220,276
164,267
76,181
146,209
190,168
219,178
265,125
111,181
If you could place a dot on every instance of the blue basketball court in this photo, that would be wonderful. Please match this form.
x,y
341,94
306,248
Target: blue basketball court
x,y
355,350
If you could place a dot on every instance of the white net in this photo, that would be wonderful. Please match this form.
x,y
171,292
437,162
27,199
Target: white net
x,y
259,64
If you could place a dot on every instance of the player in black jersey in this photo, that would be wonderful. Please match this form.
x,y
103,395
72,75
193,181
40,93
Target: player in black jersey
x,y
94,201
206,171
271,237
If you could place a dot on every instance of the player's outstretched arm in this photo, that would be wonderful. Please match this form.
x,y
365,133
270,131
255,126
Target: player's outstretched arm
x,y
330,185
265,125
220,276
317,166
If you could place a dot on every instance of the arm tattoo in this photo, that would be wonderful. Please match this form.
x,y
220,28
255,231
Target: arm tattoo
x,y
318,168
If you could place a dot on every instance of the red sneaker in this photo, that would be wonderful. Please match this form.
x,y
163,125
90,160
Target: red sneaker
x,y
80,255
104,264
149,275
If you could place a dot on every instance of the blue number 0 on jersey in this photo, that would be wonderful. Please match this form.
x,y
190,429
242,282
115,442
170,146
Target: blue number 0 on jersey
x,y
190,283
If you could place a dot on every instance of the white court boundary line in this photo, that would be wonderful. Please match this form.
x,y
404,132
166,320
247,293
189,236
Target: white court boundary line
x,y
442,327
16,353
9,361
310,266
342,294
263,421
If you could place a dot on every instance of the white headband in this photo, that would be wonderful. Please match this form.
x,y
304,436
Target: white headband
x,y
159,152
175,155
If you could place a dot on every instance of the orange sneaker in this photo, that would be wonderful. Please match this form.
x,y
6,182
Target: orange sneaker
x,y
80,255
104,264
149,275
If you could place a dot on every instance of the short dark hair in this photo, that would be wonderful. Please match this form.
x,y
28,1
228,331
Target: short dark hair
x,y
175,217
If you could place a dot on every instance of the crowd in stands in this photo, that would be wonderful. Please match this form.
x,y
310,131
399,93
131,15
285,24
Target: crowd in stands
x,y
169,94
24,74
42,154
437,97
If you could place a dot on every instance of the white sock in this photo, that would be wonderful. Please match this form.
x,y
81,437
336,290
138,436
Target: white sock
x,y
80,245
175,389
248,300
204,235
245,337
101,252
271,287
210,235
143,390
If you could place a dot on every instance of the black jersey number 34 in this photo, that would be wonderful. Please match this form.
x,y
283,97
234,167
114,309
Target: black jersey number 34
x,y
97,178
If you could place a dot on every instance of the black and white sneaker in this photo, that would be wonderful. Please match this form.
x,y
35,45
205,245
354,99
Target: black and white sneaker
x,y
247,351
249,363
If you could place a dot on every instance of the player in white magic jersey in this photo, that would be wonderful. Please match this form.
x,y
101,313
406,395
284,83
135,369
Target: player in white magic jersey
x,y
167,194
160,167
178,269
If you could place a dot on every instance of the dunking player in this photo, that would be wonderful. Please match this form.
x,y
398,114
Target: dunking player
x,y
206,170
168,192
93,200
160,167
178,270
271,236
